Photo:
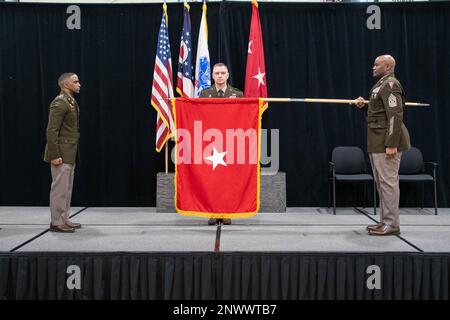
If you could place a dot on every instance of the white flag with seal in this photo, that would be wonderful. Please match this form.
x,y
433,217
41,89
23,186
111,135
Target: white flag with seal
x,y
202,65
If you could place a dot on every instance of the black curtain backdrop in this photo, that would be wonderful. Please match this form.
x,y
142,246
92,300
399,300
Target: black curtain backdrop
x,y
311,50
201,276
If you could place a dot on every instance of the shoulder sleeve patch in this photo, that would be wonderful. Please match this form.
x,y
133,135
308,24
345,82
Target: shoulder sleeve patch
x,y
392,82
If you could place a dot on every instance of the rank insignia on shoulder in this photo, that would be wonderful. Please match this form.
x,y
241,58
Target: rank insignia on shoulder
x,y
392,101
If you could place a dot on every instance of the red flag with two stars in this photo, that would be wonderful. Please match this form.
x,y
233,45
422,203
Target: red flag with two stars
x,y
255,75
217,156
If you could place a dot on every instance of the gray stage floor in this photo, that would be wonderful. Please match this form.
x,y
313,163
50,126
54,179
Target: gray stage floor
x,y
25,229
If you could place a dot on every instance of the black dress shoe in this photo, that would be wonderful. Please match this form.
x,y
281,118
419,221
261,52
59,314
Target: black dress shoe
x,y
385,230
374,226
74,225
61,228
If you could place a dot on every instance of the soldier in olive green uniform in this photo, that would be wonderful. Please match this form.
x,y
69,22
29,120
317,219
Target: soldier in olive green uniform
x,y
387,137
213,92
61,151
220,89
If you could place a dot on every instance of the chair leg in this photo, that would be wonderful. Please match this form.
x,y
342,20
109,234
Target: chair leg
x,y
328,192
334,195
365,195
423,194
435,198
417,197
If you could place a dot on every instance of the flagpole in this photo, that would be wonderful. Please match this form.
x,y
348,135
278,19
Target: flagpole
x,y
218,233
167,158
343,101
340,101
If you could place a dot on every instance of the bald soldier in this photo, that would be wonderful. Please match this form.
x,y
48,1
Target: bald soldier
x,y
387,137
220,89
61,151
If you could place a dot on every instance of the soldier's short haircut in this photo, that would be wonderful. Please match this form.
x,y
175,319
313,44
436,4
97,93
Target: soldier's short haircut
x,y
64,76
389,60
220,64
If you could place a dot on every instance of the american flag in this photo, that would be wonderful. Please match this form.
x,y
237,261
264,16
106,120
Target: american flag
x,y
162,89
185,76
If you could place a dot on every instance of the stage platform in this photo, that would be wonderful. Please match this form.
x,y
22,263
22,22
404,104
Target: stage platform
x,y
304,253
299,229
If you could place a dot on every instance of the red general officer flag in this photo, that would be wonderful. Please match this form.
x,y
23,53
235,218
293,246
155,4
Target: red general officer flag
x,y
217,157
255,75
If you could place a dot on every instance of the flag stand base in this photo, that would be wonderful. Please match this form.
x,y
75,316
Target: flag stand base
x,y
273,192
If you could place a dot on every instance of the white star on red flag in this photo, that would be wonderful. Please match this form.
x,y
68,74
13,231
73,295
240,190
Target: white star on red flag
x,y
217,158
260,77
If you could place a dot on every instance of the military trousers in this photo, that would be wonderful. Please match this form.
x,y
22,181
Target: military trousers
x,y
385,172
61,192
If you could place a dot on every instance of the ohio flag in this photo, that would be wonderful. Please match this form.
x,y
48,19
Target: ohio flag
x,y
185,75
217,156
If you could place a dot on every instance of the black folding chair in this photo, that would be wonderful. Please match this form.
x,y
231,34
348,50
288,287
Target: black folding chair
x,y
412,170
348,165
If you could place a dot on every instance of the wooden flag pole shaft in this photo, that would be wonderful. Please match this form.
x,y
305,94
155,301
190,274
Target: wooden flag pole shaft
x,y
343,101
167,158
218,233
